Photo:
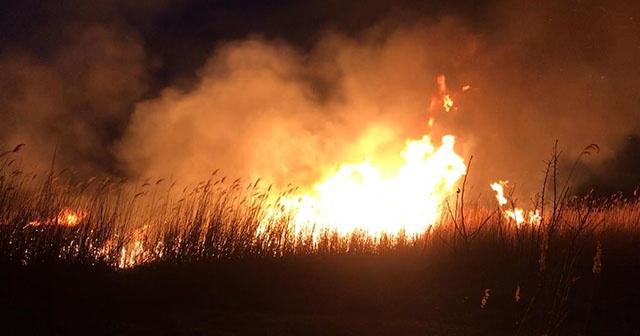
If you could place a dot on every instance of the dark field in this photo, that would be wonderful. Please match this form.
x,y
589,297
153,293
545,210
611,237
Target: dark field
x,y
404,292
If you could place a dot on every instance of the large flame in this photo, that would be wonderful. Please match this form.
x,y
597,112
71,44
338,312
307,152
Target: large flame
x,y
402,195
359,197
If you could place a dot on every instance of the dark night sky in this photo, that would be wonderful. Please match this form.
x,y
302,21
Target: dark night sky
x,y
168,28
117,85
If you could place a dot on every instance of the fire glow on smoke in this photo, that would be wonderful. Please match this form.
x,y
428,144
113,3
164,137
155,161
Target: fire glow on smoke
x,y
361,197
395,198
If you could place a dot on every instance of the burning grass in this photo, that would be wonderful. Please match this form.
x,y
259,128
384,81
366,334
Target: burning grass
x,y
545,275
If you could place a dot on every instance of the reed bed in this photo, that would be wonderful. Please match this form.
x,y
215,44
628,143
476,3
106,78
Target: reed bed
x,y
123,226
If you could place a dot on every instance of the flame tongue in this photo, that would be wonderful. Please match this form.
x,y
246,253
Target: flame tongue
x,y
65,217
359,197
68,217
498,187
516,214
444,94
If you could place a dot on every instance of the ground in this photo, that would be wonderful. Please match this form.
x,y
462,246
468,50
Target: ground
x,y
391,294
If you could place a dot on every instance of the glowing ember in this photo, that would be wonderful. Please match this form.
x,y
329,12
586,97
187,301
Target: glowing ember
x,y
444,97
66,217
360,197
133,252
447,102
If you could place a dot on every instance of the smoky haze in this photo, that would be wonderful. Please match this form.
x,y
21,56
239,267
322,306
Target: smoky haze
x,y
262,104
72,97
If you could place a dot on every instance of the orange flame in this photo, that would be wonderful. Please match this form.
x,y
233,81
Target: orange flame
x,y
65,217
447,102
498,187
444,97
359,197
405,198
516,214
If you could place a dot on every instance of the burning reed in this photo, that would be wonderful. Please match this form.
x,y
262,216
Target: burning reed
x,y
53,218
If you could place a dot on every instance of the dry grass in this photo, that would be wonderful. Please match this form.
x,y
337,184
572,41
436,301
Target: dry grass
x,y
152,223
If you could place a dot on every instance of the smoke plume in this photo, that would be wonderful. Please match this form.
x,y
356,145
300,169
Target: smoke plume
x,y
263,105
74,102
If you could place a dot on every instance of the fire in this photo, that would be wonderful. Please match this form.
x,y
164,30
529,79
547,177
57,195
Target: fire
x,y
65,217
444,97
406,199
398,196
68,217
516,214
498,187
359,197
133,252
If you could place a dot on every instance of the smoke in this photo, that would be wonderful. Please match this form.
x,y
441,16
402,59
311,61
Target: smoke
x,y
265,106
263,109
74,101
554,72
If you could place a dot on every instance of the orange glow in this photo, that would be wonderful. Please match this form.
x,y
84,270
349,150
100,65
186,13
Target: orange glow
x,y
447,102
442,84
444,98
66,217
396,195
498,187
359,197
133,252
404,198
516,214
